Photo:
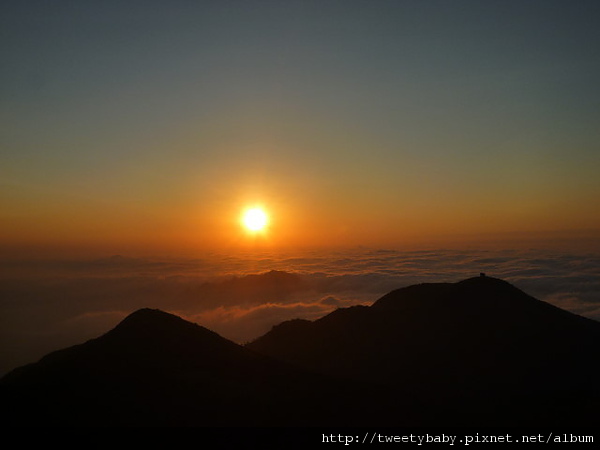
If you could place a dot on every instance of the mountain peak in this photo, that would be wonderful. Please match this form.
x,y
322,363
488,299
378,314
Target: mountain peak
x,y
167,336
485,281
156,369
482,291
152,323
149,317
479,335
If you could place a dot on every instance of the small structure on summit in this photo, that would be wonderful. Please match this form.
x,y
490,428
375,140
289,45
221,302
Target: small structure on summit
x,y
482,275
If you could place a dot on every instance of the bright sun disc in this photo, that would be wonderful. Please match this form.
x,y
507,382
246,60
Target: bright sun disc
x,y
255,219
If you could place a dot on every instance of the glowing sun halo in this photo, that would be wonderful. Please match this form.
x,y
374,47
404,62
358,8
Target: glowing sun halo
x,y
255,219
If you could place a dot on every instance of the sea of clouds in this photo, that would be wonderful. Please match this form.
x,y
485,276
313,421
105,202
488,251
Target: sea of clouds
x,y
48,305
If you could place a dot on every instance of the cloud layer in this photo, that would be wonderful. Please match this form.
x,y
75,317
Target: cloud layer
x,y
48,305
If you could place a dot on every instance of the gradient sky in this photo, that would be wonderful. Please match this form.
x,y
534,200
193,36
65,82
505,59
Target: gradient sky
x,y
149,125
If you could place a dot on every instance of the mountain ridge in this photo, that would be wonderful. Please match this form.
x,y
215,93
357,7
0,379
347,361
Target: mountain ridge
x,y
446,342
410,358
157,369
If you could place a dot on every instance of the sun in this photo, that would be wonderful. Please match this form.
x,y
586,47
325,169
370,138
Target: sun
x,y
255,219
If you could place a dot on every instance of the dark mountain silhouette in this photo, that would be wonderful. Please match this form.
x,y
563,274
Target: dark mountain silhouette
x,y
274,285
155,368
477,352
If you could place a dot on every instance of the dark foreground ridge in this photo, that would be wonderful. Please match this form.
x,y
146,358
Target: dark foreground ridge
x,y
156,369
477,352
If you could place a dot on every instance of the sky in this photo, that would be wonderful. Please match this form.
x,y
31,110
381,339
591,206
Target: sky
x,y
137,128
389,142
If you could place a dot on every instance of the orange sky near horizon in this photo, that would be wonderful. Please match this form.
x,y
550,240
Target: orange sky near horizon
x,y
299,219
